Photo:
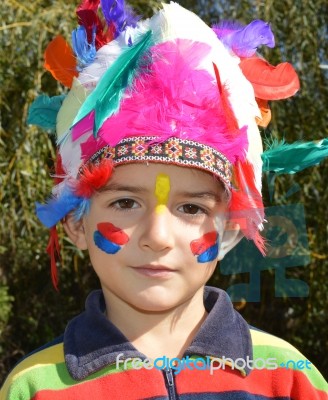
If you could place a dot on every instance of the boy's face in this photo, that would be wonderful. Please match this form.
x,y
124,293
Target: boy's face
x,y
151,234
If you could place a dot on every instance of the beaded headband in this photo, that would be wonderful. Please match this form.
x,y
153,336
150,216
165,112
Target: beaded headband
x,y
185,153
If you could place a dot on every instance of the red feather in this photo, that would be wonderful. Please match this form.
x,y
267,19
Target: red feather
x,y
89,20
270,82
246,206
230,116
60,61
53,249
88,5
88,17
59,170
93,177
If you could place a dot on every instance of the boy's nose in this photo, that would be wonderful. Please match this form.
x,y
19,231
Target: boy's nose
x,y
157,232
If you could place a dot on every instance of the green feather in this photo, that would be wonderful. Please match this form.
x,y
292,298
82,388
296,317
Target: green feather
x,y
43,111
105,99
284,158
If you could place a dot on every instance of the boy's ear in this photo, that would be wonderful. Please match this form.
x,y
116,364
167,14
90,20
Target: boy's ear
x,y
75,231
230,238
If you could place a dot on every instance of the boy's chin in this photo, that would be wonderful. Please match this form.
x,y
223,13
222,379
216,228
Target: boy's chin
x,y
159,300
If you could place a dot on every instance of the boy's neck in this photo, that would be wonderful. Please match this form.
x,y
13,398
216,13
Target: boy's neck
x,y
156,334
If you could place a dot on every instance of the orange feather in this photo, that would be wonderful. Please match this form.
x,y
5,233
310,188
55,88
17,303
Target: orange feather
x,y
265,113
60,61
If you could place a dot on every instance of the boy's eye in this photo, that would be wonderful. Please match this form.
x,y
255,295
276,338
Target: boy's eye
x,y
192,209
125,204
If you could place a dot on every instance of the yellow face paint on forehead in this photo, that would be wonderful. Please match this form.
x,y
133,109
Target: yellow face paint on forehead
x,y
162,191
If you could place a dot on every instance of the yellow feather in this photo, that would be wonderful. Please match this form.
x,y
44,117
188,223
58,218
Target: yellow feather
x,y
70,107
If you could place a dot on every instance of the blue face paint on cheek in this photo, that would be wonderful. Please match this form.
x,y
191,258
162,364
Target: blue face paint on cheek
x,y
104,244
209,255
109,237
206,248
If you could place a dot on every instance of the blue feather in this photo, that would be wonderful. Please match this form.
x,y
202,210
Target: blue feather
x,y
85,51
43,111
57,208
284,158
82,209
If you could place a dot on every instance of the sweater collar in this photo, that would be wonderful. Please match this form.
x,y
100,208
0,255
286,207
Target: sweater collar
x,y
91,341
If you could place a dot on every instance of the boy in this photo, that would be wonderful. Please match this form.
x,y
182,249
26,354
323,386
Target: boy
x,y
159,170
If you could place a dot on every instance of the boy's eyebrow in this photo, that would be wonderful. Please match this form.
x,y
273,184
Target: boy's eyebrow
x,y
208,194
118,187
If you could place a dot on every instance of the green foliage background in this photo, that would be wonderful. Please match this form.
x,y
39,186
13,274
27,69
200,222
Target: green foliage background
x,y
31,312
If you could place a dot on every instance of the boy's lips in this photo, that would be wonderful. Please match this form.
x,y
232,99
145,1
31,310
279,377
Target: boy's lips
x,y
154,270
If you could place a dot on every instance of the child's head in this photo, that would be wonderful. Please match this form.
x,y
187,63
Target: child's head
x,y
163,217
158,133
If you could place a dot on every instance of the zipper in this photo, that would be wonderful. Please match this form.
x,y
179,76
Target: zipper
x,y
169,382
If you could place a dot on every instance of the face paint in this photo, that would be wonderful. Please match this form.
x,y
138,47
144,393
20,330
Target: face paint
x,y
109,238
162,191
206,247
112,233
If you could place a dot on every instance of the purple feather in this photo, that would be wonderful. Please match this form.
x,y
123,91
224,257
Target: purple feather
x,y
225,28
84,50
117,13
244,41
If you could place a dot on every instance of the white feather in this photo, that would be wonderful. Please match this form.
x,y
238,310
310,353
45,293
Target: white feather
x,y
71,154
105,57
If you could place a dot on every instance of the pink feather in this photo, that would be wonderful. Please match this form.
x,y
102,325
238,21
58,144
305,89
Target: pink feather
x,y
173,97
91,146
83,126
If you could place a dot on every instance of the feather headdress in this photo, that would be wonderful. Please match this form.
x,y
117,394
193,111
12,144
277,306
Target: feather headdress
x,y
168,89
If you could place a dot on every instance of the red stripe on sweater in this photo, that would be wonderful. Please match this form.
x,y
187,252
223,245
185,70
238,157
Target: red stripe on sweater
x,y
132,385
269,383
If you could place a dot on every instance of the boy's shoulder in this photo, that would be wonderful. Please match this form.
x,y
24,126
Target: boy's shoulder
x,y
40,366
267,344
271,353
270,346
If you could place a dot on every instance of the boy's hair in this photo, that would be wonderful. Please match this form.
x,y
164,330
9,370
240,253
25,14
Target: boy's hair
x,y
166,90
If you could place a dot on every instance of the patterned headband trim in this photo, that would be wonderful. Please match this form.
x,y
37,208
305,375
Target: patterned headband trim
x,y
171,151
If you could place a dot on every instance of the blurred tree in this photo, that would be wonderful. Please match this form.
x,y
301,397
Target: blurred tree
x,y
31,312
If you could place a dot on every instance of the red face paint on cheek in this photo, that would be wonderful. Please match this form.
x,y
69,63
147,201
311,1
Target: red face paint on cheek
x,y
112,233
200,245
206,248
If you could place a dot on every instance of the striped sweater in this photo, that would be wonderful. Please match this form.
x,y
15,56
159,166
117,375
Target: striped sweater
x,y
226,360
